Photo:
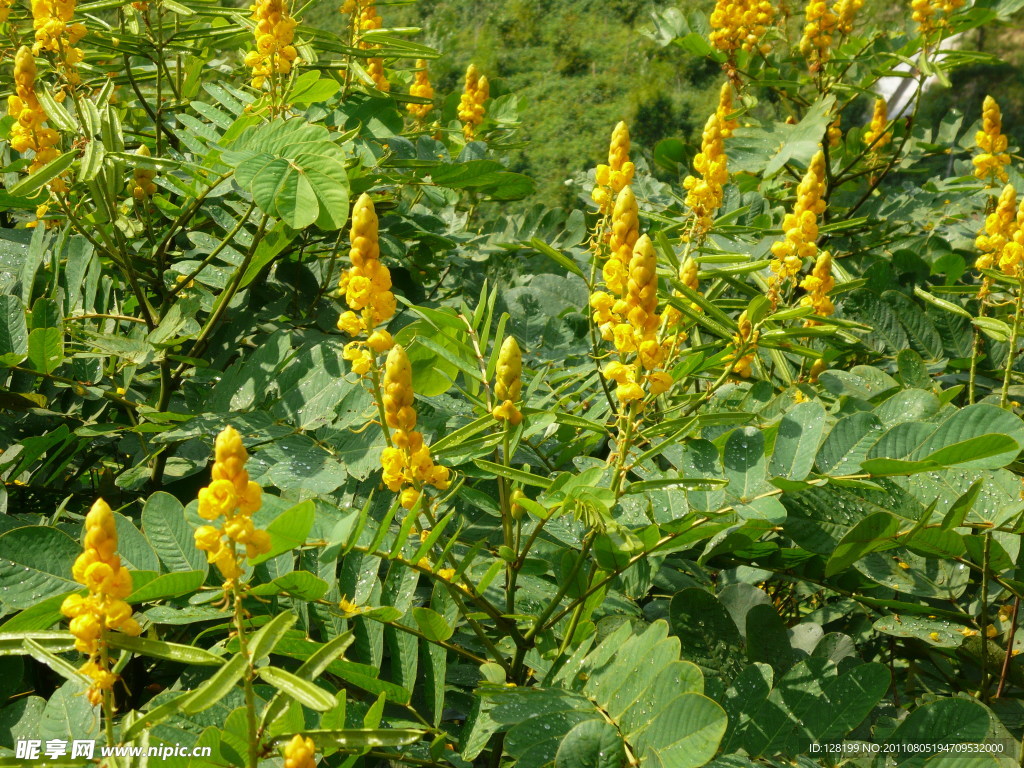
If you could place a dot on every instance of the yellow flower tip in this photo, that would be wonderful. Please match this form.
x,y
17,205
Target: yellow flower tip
x,y
877,135
446,573
299,752
508,382
818,367
741,24
228,446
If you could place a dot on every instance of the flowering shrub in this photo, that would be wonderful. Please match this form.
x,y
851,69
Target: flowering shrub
x,y
381,464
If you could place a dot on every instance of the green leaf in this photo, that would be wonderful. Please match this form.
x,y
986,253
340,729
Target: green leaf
x,y
557,256
13,331
432,624
303,691
960,508
709,636
163,521
744,462
46,349
35,563
288,530
996,330
945,721
168,585
159,649
37,180
300,584
266,638
591,744
797,441
216,687
876,531
294,172
937,632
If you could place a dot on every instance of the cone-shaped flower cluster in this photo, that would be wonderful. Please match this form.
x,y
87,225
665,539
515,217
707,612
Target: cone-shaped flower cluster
x,y
877,134
475,92
29,132
1011,257
816,43
1002,241
991,163
739,24
275,30
801,226
55,33
687,276
624,233
422,88
368,19
230,500
367,290
818,284
407,463
142,178
725,110
508,382
641,353
933,14
745,336
846,10
300,752
99,569
704,193
610,179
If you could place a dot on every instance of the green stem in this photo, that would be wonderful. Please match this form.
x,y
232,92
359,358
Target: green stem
x,y
1012,353
250,694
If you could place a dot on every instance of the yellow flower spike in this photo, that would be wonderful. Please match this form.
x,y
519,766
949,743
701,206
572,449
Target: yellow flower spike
x,y
624,233
29,131
991,163
57,34
931,15
745,335
816,43
367,290
300,752
508,382
99,569
845,11
617,174
999,229
741,24
275,30
407,462
800,227
877,134
421,88
231,497
818,284
725,109
704,193
142,178
475,92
